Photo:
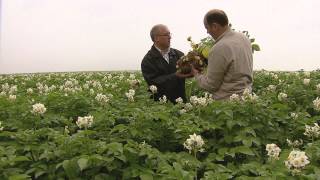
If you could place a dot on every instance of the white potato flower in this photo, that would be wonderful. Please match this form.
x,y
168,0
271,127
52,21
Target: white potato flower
x,y
282,96
134,82
199,101
188,107
84,122
202,101
113,86
312,131
5,87
3,93
29,90
66,130
209,97
234,97
248,96
316,104
182,111
271,87
194,143
91,92
273,75
1,127
120,77
307,74
153,89
38,109
130,95
318,87
295,143
12,97
132,76
86,86
297,160
193,100
179,100
102,99
13,89
293,115
68,84
163,99
306,81
273,151
109,76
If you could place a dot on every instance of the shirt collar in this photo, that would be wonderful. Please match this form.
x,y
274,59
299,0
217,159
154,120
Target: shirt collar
x,y
223,34
162,52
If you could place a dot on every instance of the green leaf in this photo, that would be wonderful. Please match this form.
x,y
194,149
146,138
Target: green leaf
x,y
255,47
59,165
103,176
146,177
82,163
39,173
231,153
122,158
21,158
247,142
230,124
244,150
222,151
19,177
250,131
71,168
256,141
115,148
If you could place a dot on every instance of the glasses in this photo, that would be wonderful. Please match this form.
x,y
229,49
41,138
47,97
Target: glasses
x,y
166,34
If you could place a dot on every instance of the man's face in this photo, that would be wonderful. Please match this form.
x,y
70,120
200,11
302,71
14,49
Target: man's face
x,y
163,38
211,29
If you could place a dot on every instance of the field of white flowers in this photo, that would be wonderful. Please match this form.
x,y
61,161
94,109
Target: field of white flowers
x,y
104,125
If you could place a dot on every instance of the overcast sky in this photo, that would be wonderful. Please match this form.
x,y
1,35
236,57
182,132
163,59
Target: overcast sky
x,y
102,35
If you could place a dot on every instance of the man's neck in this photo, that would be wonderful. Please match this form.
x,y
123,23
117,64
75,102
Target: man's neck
x,y
222,31
162,49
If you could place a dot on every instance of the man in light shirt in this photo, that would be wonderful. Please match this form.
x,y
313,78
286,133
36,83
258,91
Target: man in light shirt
x,y
229,68
159,66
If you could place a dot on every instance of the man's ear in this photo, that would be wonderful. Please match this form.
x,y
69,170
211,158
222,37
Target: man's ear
x,y
156,38
215,26
212,26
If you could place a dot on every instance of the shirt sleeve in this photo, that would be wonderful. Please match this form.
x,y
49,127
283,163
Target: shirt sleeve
x,y
217,65
150,73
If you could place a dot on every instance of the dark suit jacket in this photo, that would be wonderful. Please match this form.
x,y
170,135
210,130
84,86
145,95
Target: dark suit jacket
x,y
156,71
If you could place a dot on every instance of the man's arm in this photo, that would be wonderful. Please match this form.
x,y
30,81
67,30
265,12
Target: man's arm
x,y
150,73
217,65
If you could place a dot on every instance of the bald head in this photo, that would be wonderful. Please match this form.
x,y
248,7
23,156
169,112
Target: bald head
x,y
216,16
157,29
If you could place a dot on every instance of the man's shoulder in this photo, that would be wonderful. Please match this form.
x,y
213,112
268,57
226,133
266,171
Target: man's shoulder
x,y
232,39
239,37
149,55
177,52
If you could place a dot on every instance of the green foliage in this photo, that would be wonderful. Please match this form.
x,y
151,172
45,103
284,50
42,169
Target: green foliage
x,y
144,139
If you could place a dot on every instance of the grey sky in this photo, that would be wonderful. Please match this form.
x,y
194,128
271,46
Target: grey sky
x,y
90,35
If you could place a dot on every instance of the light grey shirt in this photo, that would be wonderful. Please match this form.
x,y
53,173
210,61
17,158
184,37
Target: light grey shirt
x,y
230,69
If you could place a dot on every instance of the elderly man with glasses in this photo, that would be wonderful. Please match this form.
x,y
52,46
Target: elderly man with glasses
x,y
159,66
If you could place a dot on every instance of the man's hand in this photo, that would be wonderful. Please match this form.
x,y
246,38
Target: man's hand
x,y
194,71
180,75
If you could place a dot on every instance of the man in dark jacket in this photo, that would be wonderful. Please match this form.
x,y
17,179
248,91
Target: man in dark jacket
x,y
159,66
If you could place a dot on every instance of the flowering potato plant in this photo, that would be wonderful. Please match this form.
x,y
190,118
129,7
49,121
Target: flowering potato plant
x,y
103,125
198,55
